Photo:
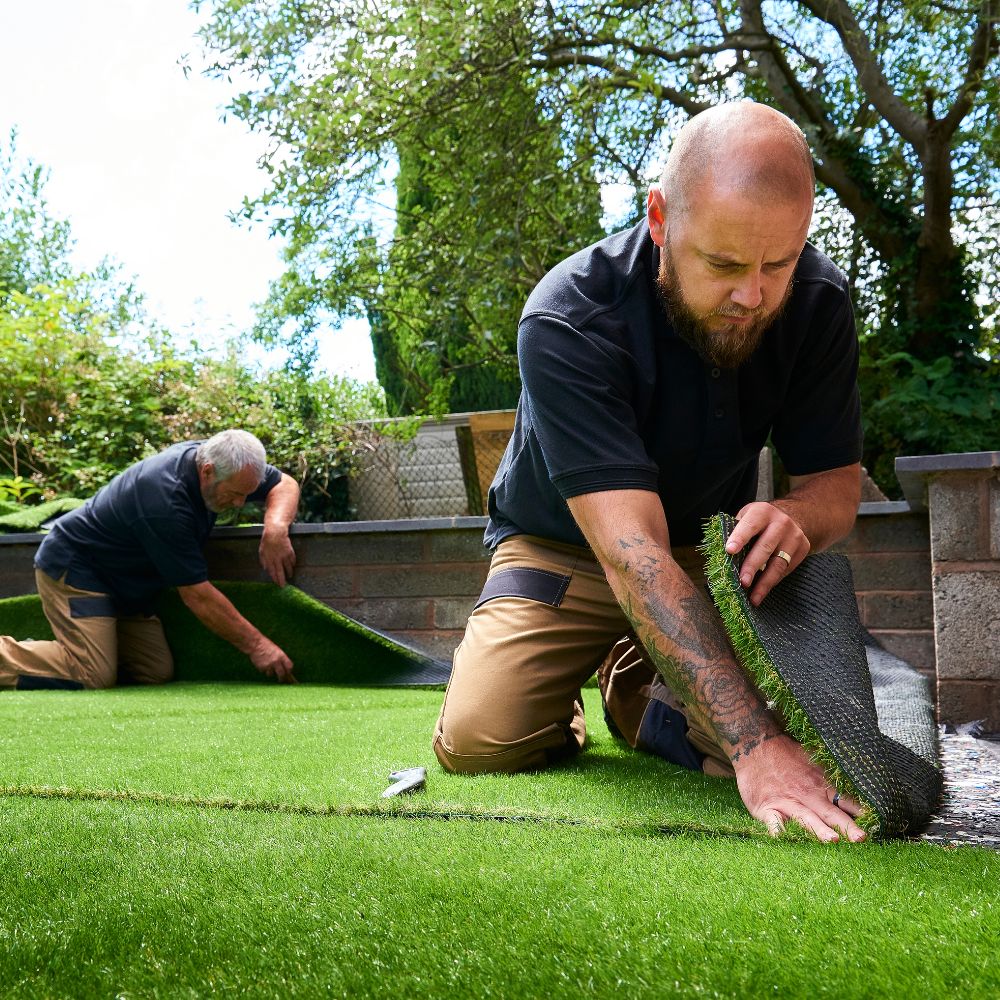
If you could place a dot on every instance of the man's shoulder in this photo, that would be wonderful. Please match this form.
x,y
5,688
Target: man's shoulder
x,y
599,278
153,484
815,270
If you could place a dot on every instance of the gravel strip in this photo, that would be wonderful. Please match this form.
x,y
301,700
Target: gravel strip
x,y
971,811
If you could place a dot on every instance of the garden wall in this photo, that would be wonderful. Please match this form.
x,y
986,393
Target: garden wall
x,y
418,579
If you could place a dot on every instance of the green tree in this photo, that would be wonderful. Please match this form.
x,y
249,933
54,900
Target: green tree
x,y
899,99
89,385
491,191
80,400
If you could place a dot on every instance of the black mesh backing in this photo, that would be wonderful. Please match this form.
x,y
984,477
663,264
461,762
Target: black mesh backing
x,y
810,629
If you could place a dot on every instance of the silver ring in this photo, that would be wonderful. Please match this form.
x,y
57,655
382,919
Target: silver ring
x,y
836,798
782,554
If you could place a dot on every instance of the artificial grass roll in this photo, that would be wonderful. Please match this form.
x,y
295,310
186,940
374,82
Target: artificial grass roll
x,y
804,649
325,646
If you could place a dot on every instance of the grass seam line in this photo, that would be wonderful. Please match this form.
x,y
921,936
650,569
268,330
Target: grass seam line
x,y
387,811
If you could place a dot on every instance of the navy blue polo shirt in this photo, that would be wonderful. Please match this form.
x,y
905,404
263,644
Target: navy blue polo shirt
x,y
612,398
142,532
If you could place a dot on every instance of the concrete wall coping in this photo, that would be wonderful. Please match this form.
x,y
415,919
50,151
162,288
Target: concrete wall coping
x,y
875,508
879,508
22,539
362,527
446,421
912,471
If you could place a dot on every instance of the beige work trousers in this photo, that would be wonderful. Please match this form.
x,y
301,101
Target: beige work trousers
x,y
93,646
514,699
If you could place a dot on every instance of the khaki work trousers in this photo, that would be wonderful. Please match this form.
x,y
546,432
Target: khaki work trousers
x,y
93,645
546,622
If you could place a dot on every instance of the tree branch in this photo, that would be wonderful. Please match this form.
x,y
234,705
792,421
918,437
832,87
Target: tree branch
x,y
563,44
985,45
621,78
895,111
831,170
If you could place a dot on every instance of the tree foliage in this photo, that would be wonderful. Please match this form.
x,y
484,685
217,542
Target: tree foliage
x,y
899,99
430,208
34,246
79,403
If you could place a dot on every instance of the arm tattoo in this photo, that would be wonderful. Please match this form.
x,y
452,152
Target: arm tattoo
x,y
688,646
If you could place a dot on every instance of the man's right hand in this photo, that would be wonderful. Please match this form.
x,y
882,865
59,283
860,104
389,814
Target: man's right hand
x,y
272,661
778,782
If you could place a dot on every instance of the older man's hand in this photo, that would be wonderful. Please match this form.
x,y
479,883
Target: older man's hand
x,y
277,555
272,661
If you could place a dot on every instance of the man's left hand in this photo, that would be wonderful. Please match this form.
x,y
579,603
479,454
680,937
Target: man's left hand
x,y
277,556
779,547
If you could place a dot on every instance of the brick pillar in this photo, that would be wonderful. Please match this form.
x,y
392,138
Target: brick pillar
x,y
962,495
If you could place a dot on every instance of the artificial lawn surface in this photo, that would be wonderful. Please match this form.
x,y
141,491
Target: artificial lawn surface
x,y
325,748
115,899
211,839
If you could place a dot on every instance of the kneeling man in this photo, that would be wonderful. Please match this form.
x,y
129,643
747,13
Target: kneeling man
x,y
655,364
102,566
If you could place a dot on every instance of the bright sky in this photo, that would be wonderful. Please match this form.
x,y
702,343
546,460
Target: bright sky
x,y
141,163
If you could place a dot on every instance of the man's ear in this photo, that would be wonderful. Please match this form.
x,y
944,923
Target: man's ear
x,y
656,215
206,474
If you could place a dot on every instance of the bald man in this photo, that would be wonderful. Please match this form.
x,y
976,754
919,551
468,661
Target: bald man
x,y
655,365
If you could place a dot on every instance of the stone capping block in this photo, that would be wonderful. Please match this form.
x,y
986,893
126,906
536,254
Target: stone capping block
x,y
913,471
353,527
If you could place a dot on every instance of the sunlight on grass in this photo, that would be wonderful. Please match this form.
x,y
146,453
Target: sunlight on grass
x,y
103,899
326,747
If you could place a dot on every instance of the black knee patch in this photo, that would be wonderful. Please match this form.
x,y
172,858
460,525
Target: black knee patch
x,y
664,732
98,606
540,585
25,682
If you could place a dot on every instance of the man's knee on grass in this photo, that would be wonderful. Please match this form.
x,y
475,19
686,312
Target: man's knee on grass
x,y
463,747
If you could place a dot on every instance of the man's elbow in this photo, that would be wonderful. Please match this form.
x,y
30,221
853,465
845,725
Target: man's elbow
x,y
195,595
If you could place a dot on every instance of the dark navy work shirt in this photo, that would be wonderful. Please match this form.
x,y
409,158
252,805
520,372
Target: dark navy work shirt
x,y
613,398
142,532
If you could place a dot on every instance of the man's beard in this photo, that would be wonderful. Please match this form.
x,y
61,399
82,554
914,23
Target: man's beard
x,y
210,497
726,348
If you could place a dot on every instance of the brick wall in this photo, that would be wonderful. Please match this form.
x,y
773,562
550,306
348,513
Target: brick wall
x,y
890,558
418,579
415,580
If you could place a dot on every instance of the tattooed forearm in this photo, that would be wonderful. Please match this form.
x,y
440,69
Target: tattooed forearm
x,y
688,646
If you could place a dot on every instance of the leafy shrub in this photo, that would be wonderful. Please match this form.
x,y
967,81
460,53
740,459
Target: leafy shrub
x,y
82,398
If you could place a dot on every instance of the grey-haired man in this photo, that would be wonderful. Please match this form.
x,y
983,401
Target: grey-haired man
x,y
101,568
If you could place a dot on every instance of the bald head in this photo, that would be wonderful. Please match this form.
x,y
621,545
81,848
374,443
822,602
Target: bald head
x,y
739,148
